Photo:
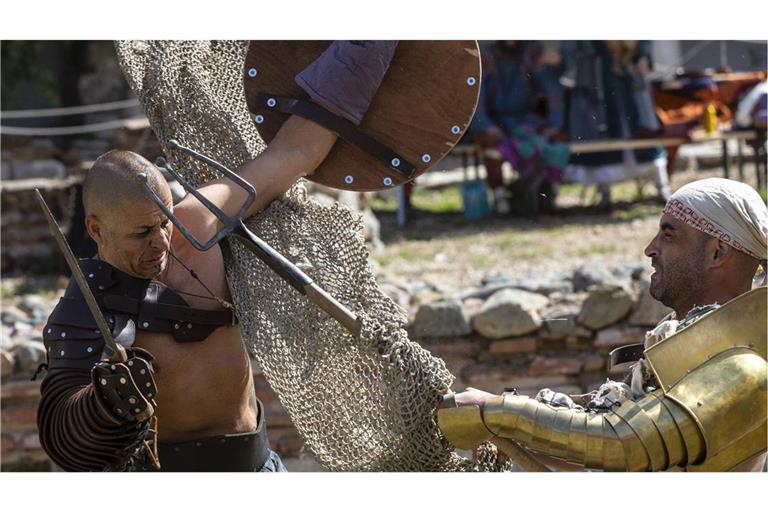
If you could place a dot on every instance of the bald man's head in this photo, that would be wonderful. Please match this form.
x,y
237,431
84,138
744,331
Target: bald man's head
x,y
131,231
113,183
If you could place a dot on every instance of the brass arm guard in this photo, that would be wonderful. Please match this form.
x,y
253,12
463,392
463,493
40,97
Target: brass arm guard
x,y
712,419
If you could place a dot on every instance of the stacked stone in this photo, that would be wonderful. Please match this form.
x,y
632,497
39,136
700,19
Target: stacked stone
x,y
528,334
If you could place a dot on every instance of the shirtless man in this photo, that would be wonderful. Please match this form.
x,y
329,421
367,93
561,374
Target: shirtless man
x,y
94,415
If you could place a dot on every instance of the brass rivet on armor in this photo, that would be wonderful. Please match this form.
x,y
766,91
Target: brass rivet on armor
x,y
148,384
252,72
145,324
471,81
455,129
149,395
349,179
137,411
131,400
426,158
122,380
395,162
103,382
259,119
112,367
388,181
271,102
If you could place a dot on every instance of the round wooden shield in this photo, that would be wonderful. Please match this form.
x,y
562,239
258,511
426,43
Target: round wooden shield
x,y
422,108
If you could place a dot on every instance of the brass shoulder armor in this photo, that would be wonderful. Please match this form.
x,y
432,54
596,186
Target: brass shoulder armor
x,y
710,413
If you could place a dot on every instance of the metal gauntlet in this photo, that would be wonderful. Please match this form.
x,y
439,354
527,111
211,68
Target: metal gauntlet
x,y
710,413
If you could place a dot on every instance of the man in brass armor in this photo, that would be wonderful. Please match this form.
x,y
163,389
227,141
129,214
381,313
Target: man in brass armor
x,y
696,400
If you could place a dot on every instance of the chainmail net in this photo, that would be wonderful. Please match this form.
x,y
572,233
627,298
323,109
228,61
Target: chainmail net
x,y
360,404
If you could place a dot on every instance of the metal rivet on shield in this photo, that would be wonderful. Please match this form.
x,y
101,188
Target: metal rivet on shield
x,y
426,158
349,179
148,384
122,380
271,102
103,382
388,181
259,119
131,400
89,349
145,324
471,81
252,72
455,130
142,371
130,363
395,162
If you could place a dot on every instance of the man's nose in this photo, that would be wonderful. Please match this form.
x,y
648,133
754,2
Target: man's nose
x,y
650,249
160,240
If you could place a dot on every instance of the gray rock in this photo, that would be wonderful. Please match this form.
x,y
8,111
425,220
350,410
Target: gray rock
x,y
6,336
629,271
648,311
28,356
605,305
441,318
401,297
6,363
587,275
12,314
35,307
39,169
560,320
509,312
496,278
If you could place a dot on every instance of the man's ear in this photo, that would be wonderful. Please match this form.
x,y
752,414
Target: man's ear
x,y
722,252
95,228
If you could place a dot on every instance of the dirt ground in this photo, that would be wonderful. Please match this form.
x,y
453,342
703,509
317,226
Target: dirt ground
x,y
442,248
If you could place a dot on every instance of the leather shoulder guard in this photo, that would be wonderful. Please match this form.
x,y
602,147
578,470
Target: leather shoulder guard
x,y
73,339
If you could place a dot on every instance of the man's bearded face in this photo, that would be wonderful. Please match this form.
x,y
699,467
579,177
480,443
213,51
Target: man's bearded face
x,y
677,256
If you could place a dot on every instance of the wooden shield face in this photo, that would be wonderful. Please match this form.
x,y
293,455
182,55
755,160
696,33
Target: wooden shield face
x,y
422,108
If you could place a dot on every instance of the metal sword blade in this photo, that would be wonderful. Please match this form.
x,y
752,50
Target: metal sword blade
x,y
117,351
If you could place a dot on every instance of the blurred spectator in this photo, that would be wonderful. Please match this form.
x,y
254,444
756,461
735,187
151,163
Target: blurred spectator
x,y
752,110
608,97
517,76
